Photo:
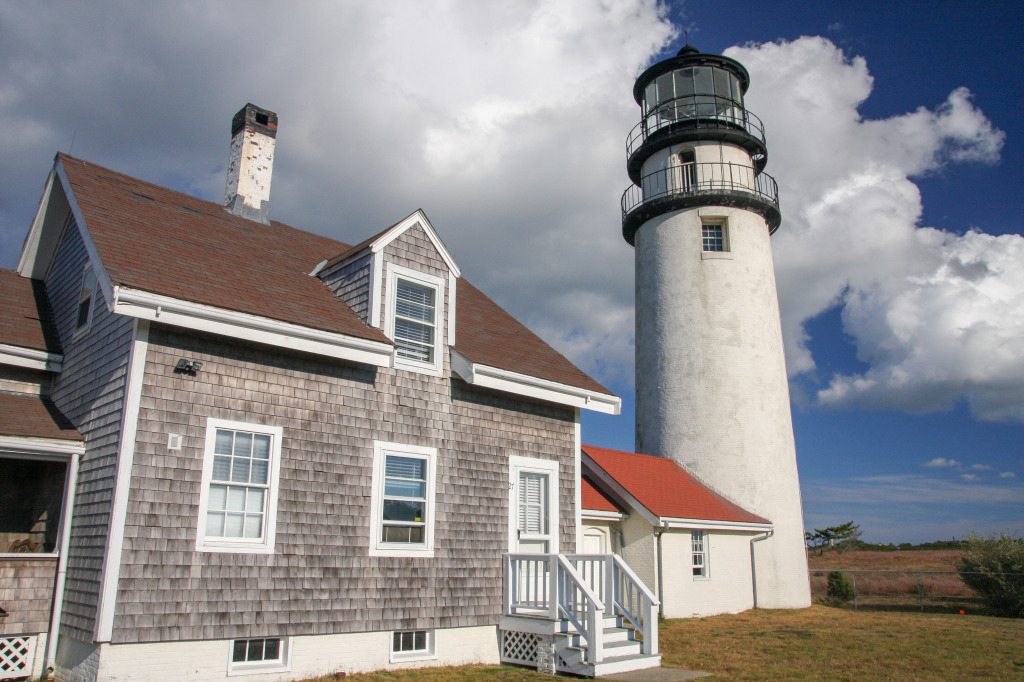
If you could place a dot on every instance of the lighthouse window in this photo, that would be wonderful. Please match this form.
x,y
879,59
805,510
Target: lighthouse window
x,y
713,237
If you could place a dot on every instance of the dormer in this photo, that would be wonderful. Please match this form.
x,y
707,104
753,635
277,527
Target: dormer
x,y
402,281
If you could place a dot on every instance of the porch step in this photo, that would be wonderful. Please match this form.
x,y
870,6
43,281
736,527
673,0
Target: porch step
x,y
625,664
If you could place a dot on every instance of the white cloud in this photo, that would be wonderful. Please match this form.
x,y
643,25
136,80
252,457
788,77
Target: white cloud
x,y
1007,474
981,467
942,462
970,477
936,316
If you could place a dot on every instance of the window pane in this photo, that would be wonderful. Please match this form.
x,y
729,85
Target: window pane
x,y
253,526
236,499
255,650
420,640
403,534
240,470
83,312
414,331
221,468
703,81
396,641
406,641
243,444
223,443
394,488
238,652
218,497
405,467
261,447
233,525
259,472
403,510
665,87
254,500
721,78
215,525
272,649
684,82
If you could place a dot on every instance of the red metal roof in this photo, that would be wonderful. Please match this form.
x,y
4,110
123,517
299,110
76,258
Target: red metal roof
x,y
29,416
24,314
666,489
161,241
596,500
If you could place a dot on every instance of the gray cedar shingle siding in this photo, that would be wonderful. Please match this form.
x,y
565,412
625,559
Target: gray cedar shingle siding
x,y
89,391
26,589
351,283
320,578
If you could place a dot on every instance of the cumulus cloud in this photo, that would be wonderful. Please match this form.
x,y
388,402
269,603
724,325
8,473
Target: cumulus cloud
x,y
936,317
1007,474
981,467
942,462
970,478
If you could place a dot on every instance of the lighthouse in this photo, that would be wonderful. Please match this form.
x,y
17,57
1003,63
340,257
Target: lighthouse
x,y
712,390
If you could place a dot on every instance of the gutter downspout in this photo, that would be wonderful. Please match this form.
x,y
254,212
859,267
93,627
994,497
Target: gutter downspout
x,y
661,582
753,568
62,567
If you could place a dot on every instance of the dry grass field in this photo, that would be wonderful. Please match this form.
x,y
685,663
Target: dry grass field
x,y
819,643
911,560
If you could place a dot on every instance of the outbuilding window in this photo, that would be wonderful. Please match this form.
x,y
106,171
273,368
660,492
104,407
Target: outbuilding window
x,y
262,655
698,539
412,645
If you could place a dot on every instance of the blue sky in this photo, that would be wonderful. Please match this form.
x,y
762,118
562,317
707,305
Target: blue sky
x,y
506,123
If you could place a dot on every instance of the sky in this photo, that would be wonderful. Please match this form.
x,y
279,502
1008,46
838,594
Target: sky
x,y
893,131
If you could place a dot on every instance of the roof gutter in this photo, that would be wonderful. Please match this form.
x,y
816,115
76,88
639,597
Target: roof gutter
x,y
172,311
62,565
661,583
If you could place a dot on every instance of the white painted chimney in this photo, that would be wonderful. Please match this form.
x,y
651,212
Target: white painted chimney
x,y
251,163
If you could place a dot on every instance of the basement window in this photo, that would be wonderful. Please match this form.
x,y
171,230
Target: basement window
x,y
257,656
412,645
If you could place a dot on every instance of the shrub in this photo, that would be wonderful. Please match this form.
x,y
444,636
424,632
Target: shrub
x,y
839,590
986,561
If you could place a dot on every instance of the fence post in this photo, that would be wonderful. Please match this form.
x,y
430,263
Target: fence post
x,y
854,574
920,591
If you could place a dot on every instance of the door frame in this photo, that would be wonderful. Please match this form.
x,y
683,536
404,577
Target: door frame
x,y
517,464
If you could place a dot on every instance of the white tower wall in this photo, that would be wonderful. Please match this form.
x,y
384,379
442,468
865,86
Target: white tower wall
x,y
712,391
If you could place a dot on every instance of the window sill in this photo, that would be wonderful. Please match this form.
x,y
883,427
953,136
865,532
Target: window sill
x,y
716,255
29,555
233,548
418,367
240,669
415,656
399,551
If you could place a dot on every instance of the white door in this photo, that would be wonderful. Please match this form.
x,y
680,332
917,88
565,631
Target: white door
x,y
594,542
533,506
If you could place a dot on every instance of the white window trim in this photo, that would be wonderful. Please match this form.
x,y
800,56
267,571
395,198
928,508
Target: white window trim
x,y
82,330
706,538
430,653
516,464
377,546
228,545
281,665
394,272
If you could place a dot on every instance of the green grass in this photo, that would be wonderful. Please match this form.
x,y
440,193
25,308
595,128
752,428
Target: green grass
x,y
819,643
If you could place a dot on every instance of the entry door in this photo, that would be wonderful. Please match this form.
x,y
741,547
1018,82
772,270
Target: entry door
x,y
533,506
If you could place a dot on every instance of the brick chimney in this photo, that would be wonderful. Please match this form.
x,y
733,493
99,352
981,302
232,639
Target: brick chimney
x,y
250,163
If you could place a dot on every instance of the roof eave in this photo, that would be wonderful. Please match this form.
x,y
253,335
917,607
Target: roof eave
x,y
31,358
166,310
50,449
505,380
714,524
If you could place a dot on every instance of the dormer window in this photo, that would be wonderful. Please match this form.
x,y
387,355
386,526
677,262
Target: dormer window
x,y
415,312
85,301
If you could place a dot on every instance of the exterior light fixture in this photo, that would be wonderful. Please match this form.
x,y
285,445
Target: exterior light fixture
x,y
188,366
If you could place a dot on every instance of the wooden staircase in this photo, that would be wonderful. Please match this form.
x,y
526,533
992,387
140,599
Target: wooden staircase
x,y
588,615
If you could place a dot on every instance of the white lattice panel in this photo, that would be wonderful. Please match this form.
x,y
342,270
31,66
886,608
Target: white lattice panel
x,y
15,657
519,647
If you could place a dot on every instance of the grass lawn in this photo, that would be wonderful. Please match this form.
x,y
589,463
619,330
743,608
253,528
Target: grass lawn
x,y
819,643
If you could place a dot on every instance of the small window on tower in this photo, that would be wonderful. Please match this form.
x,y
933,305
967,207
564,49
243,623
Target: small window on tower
x,y
713,237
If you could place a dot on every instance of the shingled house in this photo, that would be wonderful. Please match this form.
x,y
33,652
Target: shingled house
x,y
231,447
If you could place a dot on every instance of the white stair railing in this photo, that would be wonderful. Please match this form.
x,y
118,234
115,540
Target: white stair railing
x,y
549,586
622,592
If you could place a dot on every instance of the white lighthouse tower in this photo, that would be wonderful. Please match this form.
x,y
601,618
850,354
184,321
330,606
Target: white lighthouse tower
x,y
712,390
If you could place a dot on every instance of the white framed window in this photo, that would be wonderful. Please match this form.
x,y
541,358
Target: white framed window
x,y
714,237
238,499
533,505
699,542
259,655
86,301
415,312
402,503
412,645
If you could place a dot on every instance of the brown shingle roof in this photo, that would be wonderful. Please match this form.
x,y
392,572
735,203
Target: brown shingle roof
x,y
666,489
488,335
25,319
29,416
161,241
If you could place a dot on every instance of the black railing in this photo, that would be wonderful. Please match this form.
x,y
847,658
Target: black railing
x,y
706,111
693,179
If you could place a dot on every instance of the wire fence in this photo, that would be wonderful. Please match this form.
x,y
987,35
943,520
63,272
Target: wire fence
x,y
890,590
